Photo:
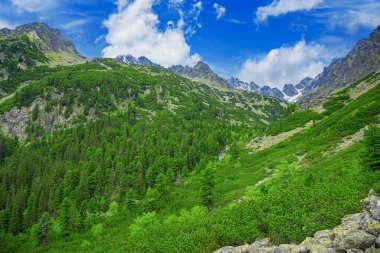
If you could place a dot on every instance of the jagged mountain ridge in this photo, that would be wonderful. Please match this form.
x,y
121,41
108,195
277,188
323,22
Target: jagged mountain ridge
x,y
142,60
363,59
290,90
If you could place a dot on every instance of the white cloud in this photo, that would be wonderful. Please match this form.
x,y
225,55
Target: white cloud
x,y
279,7
99,38
5,24
34,5
192,19
176,3
74,24
134,30
220,10
287,64
349,14
235,21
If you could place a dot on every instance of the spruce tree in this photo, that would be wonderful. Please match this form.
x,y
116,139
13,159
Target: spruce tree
x,y
372,144
207,188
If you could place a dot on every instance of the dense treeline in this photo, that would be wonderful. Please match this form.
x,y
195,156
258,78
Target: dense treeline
x,y
78,172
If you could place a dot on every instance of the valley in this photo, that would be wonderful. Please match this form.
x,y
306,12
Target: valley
x,y
123,155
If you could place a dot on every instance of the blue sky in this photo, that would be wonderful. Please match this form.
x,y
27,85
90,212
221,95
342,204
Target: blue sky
x,y
271,42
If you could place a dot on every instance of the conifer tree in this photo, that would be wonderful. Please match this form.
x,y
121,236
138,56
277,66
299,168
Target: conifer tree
x,y
372,144
207,188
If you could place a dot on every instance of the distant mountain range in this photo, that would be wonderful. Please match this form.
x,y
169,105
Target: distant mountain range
x,y
363,59
202,72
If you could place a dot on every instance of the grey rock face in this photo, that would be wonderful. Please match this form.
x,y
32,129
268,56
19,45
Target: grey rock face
x,y
236,83
357,233
289,90
142,60
304,83
271,92
254,87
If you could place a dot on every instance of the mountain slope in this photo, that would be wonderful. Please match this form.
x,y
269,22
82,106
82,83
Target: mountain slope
x,y
286,191
105,156
363,59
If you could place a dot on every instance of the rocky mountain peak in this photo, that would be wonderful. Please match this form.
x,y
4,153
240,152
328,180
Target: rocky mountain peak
x,y
304,83
289,90
201,71
202,68
48,39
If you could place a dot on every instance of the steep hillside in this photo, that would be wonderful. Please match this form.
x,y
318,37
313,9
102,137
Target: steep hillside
x,y
363,59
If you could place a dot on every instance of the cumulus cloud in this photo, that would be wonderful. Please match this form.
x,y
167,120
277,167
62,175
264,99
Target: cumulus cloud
x,y
279,7
287,64
134,30
34,5
220,10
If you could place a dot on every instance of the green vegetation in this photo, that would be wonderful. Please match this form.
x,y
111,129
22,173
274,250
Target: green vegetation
x,y
292,120
372,144
137,169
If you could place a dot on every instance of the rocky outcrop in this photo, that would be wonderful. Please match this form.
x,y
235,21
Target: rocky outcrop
x,y
304,83
271,92
223,152
358,232
289,90
15,122
236,83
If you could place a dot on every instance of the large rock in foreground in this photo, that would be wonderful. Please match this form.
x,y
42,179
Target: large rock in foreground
x,y
358,232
